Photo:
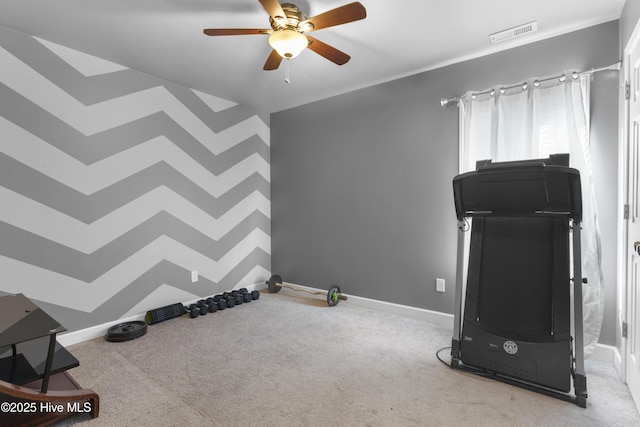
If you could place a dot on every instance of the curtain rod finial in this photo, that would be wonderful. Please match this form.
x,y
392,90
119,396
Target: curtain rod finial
x,y
444,102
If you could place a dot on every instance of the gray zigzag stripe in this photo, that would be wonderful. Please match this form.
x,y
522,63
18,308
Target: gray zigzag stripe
x,y
44,253
161,273
94,89
93,148
39,187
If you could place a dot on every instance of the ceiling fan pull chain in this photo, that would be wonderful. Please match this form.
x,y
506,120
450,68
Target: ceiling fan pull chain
x,y
286,72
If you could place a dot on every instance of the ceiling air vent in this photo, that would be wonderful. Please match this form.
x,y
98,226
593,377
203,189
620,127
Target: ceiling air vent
x,y
514,32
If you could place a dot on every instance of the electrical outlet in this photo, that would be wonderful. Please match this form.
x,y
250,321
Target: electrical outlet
x,y
439,285
194,276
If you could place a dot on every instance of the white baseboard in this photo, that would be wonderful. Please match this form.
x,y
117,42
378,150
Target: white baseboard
x,y
604,352
441,319
617,362
438,318
92,332
98,331
611,354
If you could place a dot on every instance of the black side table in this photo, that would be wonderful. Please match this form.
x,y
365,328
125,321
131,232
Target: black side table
x,y
21,321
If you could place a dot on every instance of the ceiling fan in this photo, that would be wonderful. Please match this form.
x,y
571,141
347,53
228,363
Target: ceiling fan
x,y
288,25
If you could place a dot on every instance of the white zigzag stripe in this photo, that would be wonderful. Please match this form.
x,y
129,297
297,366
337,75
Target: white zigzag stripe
x,y
214,102
55,288
87,65
56,164
105,115
51,224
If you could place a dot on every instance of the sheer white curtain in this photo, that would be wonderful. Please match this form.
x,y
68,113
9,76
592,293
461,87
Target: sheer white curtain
x,y
532,120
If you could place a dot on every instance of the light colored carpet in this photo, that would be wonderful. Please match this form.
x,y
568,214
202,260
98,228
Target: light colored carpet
x,y
289,360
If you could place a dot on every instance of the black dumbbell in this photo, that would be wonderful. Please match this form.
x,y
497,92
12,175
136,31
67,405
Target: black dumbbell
x,y
230,296
237,296
246,295
220,301
229,299
203,306
213,305
193,310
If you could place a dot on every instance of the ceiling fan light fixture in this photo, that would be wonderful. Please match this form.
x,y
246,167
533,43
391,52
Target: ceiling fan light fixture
x,y
288,43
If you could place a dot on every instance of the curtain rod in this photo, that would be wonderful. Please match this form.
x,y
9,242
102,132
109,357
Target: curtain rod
x,y
444,102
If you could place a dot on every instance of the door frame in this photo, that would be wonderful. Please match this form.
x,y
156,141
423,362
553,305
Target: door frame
x,y
624,176
620,360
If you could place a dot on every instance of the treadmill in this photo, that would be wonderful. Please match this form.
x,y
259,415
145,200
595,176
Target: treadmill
x,y
520,261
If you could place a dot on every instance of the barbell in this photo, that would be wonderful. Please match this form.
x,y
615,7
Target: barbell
x,y
334,295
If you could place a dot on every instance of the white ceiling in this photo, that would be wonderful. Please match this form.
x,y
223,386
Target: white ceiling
x,y
398,38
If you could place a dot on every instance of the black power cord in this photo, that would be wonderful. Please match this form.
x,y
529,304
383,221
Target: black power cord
x,y
439,358
476,371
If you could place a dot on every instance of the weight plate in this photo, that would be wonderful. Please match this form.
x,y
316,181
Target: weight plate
x,y
333,296
271,284
255,295
126,331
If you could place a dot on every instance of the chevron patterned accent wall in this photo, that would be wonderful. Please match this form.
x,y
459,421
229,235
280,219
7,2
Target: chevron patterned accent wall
x,y
116,185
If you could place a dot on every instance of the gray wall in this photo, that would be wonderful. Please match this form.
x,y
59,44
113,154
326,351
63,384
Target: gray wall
x,y
361,182
628,19
115,185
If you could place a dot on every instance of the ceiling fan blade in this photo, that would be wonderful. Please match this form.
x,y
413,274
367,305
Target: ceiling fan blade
x,y
235,31
273,8
329,52
273,61
340,15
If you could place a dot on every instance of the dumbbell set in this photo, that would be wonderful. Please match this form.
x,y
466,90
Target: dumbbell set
x,y
203,306
221,302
